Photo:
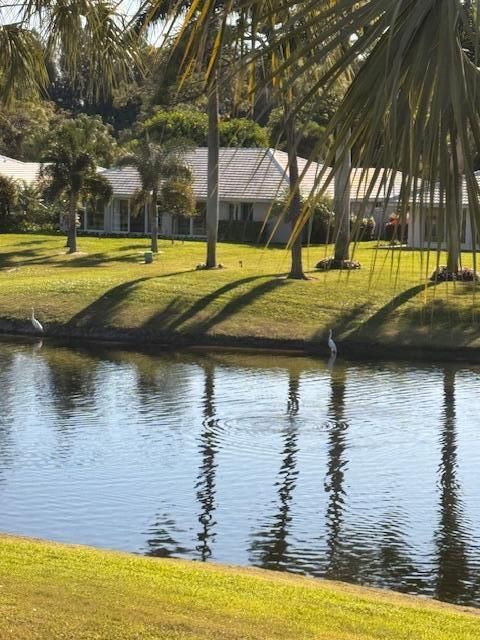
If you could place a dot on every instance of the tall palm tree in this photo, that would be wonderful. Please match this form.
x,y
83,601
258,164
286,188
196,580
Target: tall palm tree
x,y
70,165
156,165
202,31
92,28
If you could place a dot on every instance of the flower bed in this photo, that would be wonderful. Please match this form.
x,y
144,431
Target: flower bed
x,y
466,274
331,263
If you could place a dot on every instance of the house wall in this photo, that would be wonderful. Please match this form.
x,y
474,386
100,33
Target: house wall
x,y
422,235
118,219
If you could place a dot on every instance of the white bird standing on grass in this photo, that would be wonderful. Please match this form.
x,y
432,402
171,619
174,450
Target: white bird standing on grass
x,y
36,324
331,344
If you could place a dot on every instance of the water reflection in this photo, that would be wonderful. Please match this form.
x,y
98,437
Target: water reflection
x,y
206,484
365,473
270,546
335,475
453,571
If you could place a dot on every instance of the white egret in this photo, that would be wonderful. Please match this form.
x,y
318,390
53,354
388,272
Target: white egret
x,y
331,344
36,324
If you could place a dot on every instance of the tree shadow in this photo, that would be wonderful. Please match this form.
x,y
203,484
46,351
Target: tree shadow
x,y
103,310
232,307
380,318
18,258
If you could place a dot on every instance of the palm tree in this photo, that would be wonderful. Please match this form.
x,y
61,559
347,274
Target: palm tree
x,y
22,62
158,166
70,165
91,29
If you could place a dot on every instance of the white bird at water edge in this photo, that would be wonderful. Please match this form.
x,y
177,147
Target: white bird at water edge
x,y
36,324
331,344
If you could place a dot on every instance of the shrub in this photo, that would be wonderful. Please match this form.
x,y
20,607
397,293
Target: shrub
x,y
396,229
466,274
238,231
331,263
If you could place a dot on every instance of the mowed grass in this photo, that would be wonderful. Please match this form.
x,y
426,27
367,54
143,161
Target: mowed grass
x,y
52,592
389,301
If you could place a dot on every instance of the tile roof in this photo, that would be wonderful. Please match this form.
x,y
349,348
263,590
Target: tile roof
x,y
259,175
18,170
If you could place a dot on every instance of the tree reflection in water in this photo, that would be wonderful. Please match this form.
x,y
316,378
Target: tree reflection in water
x,y
162,544
335,475
206,485
270,546
453,571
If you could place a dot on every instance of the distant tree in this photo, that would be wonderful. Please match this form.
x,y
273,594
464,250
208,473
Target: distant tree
x,y
192,124
156,164
25,127
71,159
8,195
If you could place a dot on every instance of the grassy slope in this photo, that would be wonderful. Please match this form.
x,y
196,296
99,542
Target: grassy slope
x,y
53,592
109,286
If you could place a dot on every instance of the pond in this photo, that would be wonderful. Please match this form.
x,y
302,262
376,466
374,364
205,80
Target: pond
x,y
362,472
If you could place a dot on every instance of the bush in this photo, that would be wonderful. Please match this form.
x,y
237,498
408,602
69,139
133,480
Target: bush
x,y
395,230
238,231
331,263
466,274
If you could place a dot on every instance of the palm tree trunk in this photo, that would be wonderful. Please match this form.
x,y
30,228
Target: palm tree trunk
x,y
454,200
213,203
295,208
342,203
72,222
154,221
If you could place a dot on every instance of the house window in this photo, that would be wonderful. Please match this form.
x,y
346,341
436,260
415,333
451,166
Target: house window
x,y
137,219
199,220
246,211
232,212
183,226
95,215
435,226
123,210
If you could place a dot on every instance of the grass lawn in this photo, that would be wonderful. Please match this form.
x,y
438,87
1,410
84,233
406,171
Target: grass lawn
x,y
107,286
53,592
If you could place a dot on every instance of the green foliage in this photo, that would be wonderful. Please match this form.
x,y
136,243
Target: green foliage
x,y
191,124
242,132
25,128
74,148
155,162
177,197
8,195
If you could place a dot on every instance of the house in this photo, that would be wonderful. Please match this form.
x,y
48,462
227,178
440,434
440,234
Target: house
x,y
427,227
251,180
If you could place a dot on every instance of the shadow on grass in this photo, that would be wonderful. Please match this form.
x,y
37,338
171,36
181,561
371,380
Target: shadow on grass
x,y
97,259
202,303
201,326
11,259
381,317
103,310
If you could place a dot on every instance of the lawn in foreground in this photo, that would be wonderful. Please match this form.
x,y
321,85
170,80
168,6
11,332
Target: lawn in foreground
x,y
388,301
52,592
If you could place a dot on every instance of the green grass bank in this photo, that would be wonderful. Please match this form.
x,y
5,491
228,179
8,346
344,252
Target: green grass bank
x,y
52,592
107,292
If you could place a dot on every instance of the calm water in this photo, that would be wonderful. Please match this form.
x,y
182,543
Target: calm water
x,y
367,473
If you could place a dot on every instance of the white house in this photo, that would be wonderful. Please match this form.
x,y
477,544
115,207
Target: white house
x,y
251,180
427,226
